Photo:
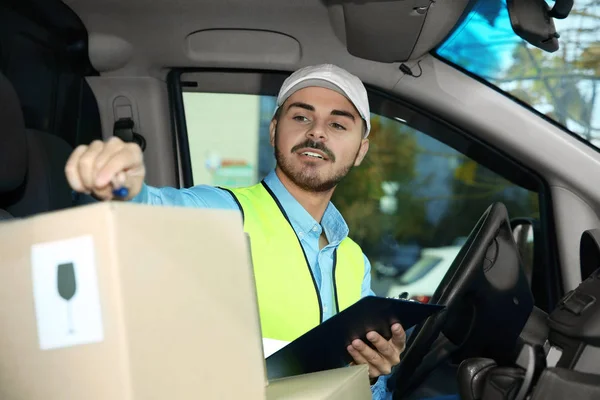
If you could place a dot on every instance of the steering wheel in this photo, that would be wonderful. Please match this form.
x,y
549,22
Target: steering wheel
x,y
464,270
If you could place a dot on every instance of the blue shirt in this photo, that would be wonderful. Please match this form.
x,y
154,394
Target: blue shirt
x,y
306,227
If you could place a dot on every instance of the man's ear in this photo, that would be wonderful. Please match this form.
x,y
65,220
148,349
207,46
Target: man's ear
x,y
272,129
362,152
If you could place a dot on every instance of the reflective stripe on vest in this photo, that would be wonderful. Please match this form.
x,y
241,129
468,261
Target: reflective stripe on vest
x,y
288,298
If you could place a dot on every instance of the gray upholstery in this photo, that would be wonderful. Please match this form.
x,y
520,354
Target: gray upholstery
x,y
4,215
46,187
32,179
13,150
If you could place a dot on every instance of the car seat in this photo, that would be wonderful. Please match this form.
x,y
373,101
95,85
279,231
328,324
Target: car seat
x,y
32,177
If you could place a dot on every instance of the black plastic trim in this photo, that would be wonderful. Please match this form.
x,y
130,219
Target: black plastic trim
x,y
179,127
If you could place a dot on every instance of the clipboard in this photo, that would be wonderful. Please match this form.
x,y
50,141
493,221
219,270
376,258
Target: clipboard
x,y
324,347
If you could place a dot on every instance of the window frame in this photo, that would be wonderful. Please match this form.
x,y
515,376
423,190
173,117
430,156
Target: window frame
x,y
547,283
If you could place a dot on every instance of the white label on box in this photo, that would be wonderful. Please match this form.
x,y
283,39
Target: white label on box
x,y
65,291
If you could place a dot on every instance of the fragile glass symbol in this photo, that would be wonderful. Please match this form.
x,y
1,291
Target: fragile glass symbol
x,y
67,286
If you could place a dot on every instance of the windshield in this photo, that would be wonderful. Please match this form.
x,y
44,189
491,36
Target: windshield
x,y
559,85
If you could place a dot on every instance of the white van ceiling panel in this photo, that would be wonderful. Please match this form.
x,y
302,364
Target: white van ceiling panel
x,y
243,45
159,33
382,31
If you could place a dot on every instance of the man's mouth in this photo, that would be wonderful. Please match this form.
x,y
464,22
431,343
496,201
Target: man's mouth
x,y
310,149
313,154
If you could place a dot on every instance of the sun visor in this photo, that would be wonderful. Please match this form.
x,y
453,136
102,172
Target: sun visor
x,y
394,31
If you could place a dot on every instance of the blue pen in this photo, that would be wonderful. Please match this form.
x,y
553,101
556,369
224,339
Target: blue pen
x,y
121,192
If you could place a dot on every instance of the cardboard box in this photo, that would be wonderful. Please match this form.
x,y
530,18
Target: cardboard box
x,y
124,301
350,383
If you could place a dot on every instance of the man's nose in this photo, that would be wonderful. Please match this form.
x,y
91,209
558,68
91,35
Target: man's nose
x,y
317,131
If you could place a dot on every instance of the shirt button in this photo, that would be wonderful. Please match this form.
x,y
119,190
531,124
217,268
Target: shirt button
x,y
325,308
315,228
300,234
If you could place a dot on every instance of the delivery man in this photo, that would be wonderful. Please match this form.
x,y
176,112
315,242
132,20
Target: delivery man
x,y
306,266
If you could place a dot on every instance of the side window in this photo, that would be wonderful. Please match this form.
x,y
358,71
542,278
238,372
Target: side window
x,y
410,205
414,201
237,152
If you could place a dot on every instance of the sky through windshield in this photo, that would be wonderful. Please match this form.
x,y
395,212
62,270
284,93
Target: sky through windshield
x,y
561,85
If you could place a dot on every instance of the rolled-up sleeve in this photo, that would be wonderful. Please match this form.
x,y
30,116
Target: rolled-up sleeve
x,y
201,196
379,390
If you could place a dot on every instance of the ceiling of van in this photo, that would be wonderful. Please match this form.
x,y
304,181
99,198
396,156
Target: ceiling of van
x,y
359,35
171,5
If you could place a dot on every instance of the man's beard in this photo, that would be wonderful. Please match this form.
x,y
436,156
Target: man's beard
x,y
306,178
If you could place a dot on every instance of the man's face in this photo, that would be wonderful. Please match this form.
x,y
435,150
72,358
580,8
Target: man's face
x,y
318,138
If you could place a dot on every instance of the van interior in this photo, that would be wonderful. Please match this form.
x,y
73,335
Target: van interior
x,y
485,144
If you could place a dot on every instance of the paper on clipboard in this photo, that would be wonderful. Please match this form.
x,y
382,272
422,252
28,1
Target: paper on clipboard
x,y
270,346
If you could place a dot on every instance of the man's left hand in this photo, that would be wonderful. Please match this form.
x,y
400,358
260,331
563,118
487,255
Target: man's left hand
x,y
386,356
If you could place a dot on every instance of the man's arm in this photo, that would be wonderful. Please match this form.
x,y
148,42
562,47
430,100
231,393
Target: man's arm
x,y
100,167
201,196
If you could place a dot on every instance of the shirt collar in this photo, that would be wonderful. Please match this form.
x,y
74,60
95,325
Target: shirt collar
x,y
333,223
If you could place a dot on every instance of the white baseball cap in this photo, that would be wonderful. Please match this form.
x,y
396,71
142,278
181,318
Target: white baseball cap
x,y
331,77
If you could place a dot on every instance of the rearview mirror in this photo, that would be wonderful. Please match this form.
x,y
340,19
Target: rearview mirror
x,y
533,20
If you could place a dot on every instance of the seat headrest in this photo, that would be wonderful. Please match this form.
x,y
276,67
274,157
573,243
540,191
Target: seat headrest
x,y
13,140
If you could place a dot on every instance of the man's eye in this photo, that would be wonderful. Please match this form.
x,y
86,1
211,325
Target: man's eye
x,y
337,126
300,118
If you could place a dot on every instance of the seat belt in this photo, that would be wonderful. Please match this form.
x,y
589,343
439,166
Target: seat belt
x,y
124,111
123,129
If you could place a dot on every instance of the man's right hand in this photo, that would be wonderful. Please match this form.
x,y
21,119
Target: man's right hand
x,y
100,167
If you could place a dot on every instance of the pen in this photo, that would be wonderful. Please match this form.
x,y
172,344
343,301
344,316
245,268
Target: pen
x,y
119,191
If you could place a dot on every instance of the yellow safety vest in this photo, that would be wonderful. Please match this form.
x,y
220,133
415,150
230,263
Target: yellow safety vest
x,y
288,298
